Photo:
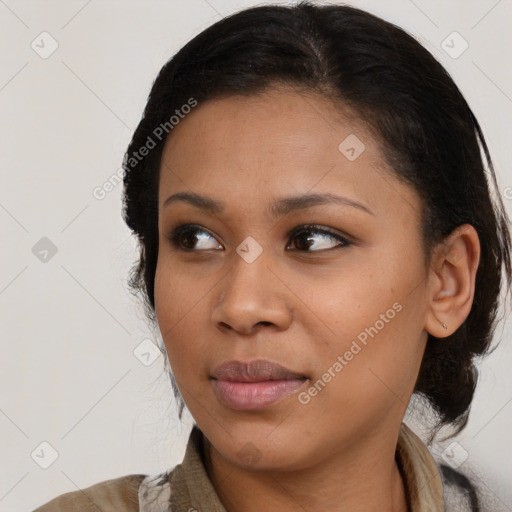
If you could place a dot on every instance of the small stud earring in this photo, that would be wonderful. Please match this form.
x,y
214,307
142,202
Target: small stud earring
x,y
445,326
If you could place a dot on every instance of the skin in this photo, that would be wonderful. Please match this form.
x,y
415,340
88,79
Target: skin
x,y
298,304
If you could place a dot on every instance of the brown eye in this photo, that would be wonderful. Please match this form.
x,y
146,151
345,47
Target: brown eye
x,y
320,239
192,238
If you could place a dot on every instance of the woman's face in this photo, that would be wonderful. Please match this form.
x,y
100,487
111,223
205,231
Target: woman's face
x,y
341,303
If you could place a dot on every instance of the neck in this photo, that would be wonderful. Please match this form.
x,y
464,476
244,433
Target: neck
x,y
364,479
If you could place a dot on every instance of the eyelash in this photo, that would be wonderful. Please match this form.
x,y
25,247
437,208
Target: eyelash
x,y
174,236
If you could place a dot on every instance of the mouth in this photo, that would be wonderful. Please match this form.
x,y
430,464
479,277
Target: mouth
x,y
254,385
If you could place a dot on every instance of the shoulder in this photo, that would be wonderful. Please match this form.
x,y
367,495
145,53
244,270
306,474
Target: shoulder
x,y
468,490
116,495
434,483
459,491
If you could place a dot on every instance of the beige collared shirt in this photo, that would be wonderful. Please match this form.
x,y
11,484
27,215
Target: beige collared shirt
x,y
187,487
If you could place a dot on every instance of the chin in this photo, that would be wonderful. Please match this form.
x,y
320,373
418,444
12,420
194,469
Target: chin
x,y
254,447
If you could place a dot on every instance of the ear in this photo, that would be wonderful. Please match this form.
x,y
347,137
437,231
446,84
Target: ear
x,y
452,281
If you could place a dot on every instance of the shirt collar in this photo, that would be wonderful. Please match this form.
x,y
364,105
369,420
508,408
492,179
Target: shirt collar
x,y
190,486
422,480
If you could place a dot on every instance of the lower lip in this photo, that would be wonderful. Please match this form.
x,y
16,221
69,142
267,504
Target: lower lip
x,y
246,396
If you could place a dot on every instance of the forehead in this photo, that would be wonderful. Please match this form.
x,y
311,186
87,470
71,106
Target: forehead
x,y
276,119
281,140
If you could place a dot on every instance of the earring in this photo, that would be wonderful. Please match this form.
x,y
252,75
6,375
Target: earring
x,y
445,327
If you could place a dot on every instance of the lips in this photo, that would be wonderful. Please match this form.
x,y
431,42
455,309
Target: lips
x,y
254,385
258,370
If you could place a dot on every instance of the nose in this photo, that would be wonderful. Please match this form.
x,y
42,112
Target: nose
x,y
252,296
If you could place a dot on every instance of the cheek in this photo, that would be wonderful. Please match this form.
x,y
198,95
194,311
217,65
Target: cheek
x,y
179,292
181,311
380,356
369,294
377,316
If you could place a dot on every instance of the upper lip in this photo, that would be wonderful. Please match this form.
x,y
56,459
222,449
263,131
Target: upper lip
x,y
258,370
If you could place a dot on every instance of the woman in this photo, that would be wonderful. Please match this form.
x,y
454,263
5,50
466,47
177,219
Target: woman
x,y
318,242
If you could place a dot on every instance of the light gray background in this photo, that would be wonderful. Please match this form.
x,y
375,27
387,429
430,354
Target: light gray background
x,y
69,327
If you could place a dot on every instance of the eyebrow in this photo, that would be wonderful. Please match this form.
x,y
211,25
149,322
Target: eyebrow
x,y
279,207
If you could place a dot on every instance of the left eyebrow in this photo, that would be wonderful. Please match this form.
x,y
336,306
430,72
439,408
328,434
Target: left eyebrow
x,y
278,208
290,204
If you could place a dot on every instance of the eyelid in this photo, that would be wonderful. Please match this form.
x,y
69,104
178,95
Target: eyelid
x,y
319,228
